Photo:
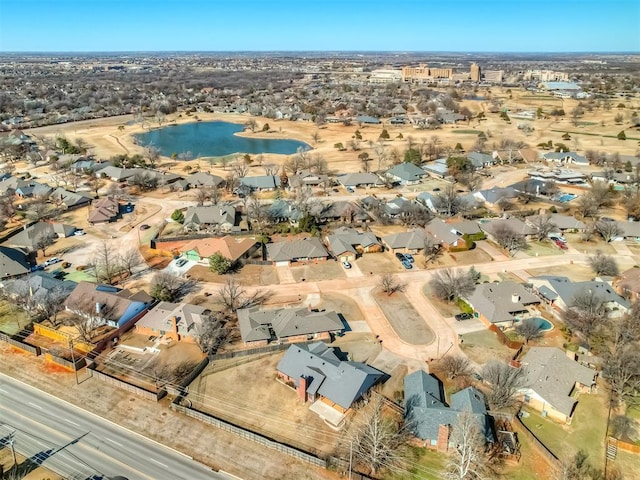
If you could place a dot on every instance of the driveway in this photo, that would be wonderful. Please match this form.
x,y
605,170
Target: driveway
x,y
179,271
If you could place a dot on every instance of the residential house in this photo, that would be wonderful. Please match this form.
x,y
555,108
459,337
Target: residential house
x,y
176,321
399,207
70,200
203,180
347,243
232,248
412,241
515,224
480,160
106,304
438,168
502,303
562,223
13,262
42,286
432,420
561,292
354,180
301,250
33,189
445,234
306,178
406,173
466,227
562,176
340,211
433,202
104,210
259,327
565,158
552,380
29,237
116,174
627,284
629,230
261,183
318,374
367,119
496,195
213,217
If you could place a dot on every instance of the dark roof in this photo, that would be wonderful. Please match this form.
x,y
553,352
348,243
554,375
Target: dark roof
x,y
338,381
296,249
13,262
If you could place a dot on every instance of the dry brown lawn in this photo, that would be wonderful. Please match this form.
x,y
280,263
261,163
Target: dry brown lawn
x,y
317,272
246,275
404,319
576,272
379,263
40,473
249,395
483,346
341,304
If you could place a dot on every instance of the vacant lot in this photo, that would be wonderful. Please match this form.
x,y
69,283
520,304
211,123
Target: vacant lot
x,y
576,272
246,275
446,309
574,240
379,263
317,272
404,319
483,346
12,319
246,395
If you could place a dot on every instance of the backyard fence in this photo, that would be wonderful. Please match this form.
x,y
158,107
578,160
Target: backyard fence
x,y
14,342
183,385
68,364
266,349
149,395
627,447
521,428
249,435
503,339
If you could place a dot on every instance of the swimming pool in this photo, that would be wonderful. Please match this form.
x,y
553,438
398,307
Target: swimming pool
x,y
543,324
566,197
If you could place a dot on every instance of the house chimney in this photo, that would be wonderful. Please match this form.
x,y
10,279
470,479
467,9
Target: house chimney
x,y
174,324
98,307
443,438
515,298
302,389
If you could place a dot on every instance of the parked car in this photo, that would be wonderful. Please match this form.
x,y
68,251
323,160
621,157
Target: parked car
x,y
181,263
144,227
406,264
437,189
400,256
351,190
408,257
346,264
37,267
79,233
66,264
561,245
557,236
463,316
51,261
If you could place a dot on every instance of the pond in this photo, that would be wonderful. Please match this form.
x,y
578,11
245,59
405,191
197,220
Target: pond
x,y
213,139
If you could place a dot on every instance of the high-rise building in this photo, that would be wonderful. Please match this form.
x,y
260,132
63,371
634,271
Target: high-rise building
x,y
423,73
476,74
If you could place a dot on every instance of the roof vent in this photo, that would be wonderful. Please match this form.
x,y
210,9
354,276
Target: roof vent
x,y
515,298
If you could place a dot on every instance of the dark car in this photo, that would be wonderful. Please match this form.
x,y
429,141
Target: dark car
x,y
463,316
437,189
144,227
181,263
406,264
400,256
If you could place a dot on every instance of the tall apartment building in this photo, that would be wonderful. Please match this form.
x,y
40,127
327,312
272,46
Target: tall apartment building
x,y
476,74
385,76
546,76
422,73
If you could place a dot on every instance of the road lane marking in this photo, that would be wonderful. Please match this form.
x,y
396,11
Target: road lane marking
x,y
112,441
34,405
156,461
71,422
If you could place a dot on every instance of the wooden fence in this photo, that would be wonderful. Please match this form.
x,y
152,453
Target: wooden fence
x,y
503,339
521,428
627,447
249,435
14,342
182,387
68,364
149,395
266,349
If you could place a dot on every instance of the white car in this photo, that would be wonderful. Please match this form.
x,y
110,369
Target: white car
x,y
79,233
51,261
346,264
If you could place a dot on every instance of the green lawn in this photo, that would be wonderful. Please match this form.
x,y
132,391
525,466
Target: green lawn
x,y
12,319
542,249
80,276
424,464
468,132
586,432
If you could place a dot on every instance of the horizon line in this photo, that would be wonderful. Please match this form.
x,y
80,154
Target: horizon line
x,y
401,51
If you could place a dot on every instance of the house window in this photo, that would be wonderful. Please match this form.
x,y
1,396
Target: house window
x,y
527,398
434,443
162,332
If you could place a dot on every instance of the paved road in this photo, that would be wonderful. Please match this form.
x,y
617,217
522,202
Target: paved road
x,y
44,422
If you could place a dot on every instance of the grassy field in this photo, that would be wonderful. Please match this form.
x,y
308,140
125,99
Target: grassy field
x,y
404,319
422,463
541,249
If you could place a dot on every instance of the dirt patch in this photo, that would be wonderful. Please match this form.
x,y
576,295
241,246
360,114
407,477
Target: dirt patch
x,y
404,319
379,264
483,346
576,272
245,275
446,309
317,272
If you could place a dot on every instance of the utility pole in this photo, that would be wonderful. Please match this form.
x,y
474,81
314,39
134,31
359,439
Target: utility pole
x,y
13,451
73,360
350,456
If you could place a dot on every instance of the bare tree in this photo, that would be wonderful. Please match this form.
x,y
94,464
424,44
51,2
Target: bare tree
x,y
587,206
270,169
529,329
468,460
621,369
129,259
602,264
216,333
106,264
44,241
240,168
608,230
169,288
455,366
201,196
448,201
432,249
38,209
233,296
153,155
380,441
505,381
88,314
542,226
449,284
586,314
508,239
390,285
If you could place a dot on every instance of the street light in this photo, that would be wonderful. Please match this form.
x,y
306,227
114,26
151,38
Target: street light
x,y
13,451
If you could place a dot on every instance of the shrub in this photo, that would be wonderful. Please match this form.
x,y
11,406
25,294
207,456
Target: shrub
x,y
622,135
464,306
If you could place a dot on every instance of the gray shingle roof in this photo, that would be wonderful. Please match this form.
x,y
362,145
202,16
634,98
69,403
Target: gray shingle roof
x,y
479,160
442,231
562,222
189,318
261,182
567,290
344,239
515,224
499,302
426,410
552,375
293,250
412,239
28,238
211,215
407,171
340,382
13,262
357,179
285,322
494,195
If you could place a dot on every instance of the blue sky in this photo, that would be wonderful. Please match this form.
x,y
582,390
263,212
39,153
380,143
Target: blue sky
x,y
293,25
